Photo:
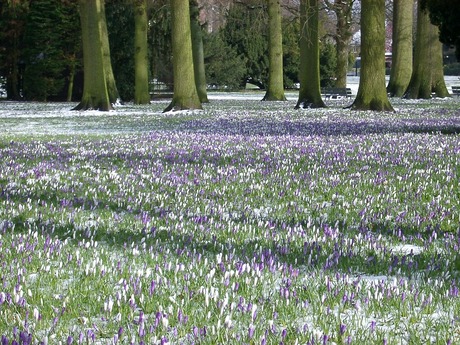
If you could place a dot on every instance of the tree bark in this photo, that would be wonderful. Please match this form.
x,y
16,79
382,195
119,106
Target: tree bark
x,y
112,89
372,94
427,75
310,89
141,60
185,94
95,93
275,89
401,64
198,53
344,34
73,67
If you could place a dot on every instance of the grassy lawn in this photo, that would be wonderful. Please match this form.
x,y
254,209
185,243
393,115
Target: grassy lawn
x,y
246,223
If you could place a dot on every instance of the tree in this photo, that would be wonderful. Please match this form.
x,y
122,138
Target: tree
x,y
185,94
95,84
141,58
198,52
50,50
445,14
372,94
275,87
12,21
245,31
161,40
343,10
224,67
112,89
427,75
401,64
310,91
120,26
291,51
328,64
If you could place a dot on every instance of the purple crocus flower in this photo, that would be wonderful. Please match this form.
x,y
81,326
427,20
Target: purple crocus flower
x,y
251,331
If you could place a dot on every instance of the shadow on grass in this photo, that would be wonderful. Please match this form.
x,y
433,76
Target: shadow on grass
x,y
330,250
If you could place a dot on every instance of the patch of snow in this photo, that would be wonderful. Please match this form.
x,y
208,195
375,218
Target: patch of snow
x,y
406,249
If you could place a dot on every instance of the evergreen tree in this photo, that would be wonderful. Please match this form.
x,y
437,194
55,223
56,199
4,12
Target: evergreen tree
x,y
224,68
291,51
13,16
246,32
328,64
160,42
49,55
120,26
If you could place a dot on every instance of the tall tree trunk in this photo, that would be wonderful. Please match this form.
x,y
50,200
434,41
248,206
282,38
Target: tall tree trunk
x,y
198,53
141,60
427,74
95,94
343,36
185,94
372,94
12,79
401,64
310,89
275,89
72,65
114,96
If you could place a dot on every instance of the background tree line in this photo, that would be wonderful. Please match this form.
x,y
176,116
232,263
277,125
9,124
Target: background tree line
x,y
41,54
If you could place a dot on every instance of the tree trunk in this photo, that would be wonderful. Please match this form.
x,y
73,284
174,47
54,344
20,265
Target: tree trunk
x,y
427,75
344,34
372,94
12,80
114,96
401,64
73,68
275,89
95,94
198,53
141,60
185,94
310,89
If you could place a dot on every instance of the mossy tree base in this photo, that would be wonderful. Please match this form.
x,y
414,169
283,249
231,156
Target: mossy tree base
x,y
178,105
92,104
269,96
376,104
305,103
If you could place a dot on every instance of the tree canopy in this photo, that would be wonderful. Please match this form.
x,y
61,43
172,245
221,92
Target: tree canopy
x,y
445,14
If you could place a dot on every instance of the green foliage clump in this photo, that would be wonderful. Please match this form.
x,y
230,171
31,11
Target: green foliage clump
x,y
246,33
327,64
224,67
120,25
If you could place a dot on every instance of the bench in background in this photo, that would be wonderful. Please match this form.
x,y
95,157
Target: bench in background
x,y
336,92
456,90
